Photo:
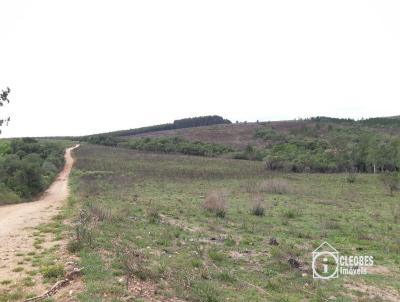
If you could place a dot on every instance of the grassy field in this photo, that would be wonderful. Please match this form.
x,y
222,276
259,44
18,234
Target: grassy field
x,y
143,233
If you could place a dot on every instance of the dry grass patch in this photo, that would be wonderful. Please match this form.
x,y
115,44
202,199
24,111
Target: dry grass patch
x,y
274,186
216,202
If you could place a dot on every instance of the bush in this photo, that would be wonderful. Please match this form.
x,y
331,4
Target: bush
x,y
258,208
274,186
216,202
74,246
83,232
153,214
53,271
250,153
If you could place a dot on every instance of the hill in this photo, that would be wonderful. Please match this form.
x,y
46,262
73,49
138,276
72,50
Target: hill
x,y
240,135
320,144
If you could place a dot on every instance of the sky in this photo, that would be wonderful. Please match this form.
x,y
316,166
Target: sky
x,y
83,67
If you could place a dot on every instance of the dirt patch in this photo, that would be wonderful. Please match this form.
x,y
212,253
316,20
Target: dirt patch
x,y
373,292
17,223
147,291
379,270
179,224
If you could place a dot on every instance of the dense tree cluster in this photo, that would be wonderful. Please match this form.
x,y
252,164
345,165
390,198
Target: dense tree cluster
x,y
177,124
200,121
330,149
28,166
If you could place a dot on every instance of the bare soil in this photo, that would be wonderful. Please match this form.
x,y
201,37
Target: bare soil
x,y
17,222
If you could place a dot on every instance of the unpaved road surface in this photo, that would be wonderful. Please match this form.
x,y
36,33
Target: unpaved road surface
x,y
17,221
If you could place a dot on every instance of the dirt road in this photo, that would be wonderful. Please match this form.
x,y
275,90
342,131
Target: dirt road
x,y
17,221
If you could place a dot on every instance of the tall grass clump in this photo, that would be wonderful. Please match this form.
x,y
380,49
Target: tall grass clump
x,y
274,186
258,205
100,212
351,178
83,232
216,202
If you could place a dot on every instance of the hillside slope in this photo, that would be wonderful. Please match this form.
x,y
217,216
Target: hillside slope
x,y
237,136
240,135
319,144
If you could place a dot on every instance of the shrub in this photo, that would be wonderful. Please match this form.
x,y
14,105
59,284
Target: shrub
x,y
274,186
153,214
215,202
83,232
135,264
258,208
74,246
216,255
53,271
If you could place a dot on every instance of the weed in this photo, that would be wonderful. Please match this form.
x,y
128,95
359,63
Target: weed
x,y
153,214
83,232
52,271
135,264
216,255
205,292
258,208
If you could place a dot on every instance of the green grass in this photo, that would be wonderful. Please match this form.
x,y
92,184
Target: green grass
x,y
143,218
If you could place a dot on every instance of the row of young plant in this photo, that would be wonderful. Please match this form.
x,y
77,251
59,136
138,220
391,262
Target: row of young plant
x,y
27,167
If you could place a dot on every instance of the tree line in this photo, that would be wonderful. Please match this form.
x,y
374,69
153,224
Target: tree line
x,y
177,124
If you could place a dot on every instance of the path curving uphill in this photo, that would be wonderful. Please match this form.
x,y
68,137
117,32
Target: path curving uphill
x,y
17,221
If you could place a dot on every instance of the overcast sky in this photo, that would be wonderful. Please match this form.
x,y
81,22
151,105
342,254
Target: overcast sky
x,y
81,67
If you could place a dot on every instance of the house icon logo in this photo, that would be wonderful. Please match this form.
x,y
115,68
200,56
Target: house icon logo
x,y
325,262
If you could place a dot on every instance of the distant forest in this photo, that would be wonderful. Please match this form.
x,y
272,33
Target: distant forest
x,y
177,124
